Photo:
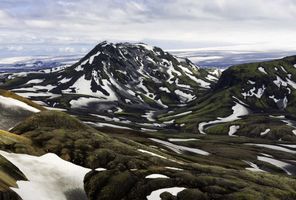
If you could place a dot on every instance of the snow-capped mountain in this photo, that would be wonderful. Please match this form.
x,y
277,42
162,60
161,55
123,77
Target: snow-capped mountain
x,y
135,74
128,79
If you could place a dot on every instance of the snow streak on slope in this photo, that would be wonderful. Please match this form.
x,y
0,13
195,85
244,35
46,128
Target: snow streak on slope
x,y
179,149
238,110
288,168
13,103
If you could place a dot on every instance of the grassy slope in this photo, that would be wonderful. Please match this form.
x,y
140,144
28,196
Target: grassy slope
x,y
64,135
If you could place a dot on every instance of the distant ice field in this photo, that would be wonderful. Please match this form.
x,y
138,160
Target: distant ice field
x,y
202,58
33,63
227,58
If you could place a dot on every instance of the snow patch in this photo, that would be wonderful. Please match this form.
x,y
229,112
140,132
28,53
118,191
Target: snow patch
x,y
181,114
187,96
165,89
151,153
232,130
175,168
261,69
155,195
281,103
251,82
252,92
152,176
280,82
101,124
83,101
148,130
149,116
91,59
65,80
265,132
149,48
253,167
35,81
181,139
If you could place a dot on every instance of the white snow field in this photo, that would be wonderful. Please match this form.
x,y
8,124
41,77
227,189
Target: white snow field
x,y
49,177
10,102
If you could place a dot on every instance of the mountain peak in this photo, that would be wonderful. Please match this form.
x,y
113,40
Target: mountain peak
x,y
141,68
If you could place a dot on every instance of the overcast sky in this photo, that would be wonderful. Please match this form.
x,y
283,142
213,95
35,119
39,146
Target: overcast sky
x,y
65,26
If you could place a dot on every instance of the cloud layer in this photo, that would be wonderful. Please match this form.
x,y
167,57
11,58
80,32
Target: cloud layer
x,y
71,26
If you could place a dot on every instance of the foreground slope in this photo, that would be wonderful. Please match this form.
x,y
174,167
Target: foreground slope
x,y
123,169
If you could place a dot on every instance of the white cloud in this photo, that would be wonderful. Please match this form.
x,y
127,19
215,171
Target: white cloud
x,y
15,48
267,24
40,24
67,49
5,19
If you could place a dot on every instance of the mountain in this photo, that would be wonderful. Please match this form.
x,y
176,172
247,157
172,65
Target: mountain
x,y
254,100
119,83
268,86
